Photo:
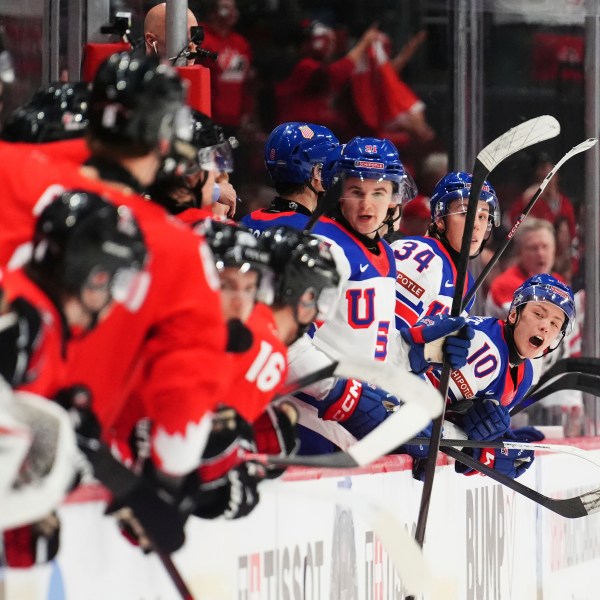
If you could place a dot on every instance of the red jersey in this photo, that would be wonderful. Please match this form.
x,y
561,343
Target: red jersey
x,y
309,92
45,371
228,76
550,211
502,290
176,332
259,372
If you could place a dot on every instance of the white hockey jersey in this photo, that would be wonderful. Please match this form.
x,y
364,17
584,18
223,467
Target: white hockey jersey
x,y
425,280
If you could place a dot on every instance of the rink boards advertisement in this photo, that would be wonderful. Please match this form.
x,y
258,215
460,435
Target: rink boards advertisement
x,y
310,538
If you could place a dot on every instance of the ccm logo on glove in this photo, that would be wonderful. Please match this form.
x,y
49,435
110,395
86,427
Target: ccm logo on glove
x,y
346,405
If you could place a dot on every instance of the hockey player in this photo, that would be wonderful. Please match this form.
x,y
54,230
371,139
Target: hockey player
x,y
499,369
136,113
362,324
426,266
87,253
189,189
294,156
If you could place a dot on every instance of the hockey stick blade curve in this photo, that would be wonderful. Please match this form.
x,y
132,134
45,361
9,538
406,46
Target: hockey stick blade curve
x,y
570,508
582,147
519,137
581,382
420,404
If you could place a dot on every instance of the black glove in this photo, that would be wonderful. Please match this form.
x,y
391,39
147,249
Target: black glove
x,y
223,484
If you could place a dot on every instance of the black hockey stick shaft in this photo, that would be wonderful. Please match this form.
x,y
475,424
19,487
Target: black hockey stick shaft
x,y
328,202
517,138
570,508
479,174
161,522
581,364
581,382
306,380
510,235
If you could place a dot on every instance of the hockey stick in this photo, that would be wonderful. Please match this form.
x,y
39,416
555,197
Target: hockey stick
x,y
583,364
515,139
161,522
571,508
403,552
511,445
420,404
329,200
299,384
586,145
581,382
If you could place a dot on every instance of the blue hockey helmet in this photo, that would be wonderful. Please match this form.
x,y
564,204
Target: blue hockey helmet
x,y
456,185
546,288
293,149
370,158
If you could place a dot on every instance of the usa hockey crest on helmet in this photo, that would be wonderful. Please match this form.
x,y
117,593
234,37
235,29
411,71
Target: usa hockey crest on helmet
x,y
293,149
546,288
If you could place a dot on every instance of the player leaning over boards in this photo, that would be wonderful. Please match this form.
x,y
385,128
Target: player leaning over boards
x,y
498,371
373,182
426,266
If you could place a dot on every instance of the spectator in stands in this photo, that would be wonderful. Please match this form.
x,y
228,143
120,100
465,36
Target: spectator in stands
x,y
231,74
309,91
567,255
551,204
155,31
535,252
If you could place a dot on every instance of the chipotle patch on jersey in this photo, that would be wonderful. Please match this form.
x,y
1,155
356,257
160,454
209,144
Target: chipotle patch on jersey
x,y
408,284
461,383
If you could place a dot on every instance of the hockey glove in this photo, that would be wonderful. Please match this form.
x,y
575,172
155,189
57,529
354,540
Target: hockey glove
x,y
357,406
525,434
225,486
486,420
33,544
510,462
438,329
417,450
77,401
275,433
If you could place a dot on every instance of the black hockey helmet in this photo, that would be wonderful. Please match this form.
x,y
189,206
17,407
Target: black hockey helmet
x,y
302,263
136,100
212,151
82,240
233,245
56,112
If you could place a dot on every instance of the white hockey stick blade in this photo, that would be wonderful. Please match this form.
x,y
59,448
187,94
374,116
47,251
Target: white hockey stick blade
x,y
519,137
50,460
404,553
582,147
420,404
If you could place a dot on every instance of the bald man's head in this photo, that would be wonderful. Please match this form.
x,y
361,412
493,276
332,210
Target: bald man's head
x,y
155,26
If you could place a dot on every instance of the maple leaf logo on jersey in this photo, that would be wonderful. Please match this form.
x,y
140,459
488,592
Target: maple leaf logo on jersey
x,y
306,132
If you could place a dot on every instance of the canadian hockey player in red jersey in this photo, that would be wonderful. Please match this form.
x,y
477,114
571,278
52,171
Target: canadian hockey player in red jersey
x,y
136,112
86,254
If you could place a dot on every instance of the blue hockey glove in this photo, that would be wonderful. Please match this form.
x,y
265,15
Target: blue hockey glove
x,y
486,420
525,434
357,406
417,450
430,329
510,462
